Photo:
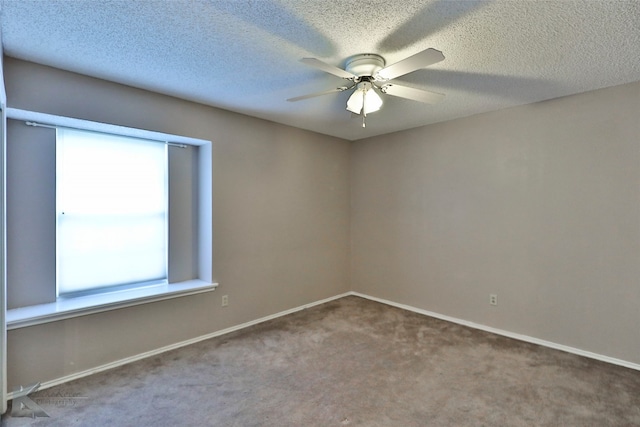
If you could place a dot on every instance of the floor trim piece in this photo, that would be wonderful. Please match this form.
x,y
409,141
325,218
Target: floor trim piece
x,y
525,338
126,360
504,333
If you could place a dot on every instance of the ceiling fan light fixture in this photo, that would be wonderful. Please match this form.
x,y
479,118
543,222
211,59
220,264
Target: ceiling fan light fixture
x,y
372,101
364,99
368,72
355,102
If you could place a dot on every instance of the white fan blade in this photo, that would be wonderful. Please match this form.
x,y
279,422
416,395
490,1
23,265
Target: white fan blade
x,y
419,95
412,63
327,68
313,95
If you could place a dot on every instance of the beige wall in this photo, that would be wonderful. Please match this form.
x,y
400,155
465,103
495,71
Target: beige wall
x,y
539,204
280,218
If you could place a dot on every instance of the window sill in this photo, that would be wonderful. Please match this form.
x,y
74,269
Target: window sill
x,y
82,306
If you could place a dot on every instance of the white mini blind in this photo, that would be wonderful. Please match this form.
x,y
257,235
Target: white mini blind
x,y
112,215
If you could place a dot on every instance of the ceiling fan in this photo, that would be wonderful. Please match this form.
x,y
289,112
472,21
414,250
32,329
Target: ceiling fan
x,y
368,75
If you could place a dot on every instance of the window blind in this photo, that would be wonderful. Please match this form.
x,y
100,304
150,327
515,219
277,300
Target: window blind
x,y
111,211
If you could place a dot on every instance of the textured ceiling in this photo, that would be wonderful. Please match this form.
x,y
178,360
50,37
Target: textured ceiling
x,y
242,55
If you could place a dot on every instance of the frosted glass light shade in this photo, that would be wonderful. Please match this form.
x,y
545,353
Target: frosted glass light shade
x,y
372,101
364,99
356,101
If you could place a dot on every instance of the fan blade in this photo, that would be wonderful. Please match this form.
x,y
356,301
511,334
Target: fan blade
x,y
328,68
313,95
419,95
412,63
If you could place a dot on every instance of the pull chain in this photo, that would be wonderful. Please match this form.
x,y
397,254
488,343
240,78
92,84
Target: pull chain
x,y
364,102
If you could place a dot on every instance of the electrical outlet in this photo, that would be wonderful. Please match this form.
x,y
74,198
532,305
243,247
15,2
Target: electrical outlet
x,y
225,300
493,299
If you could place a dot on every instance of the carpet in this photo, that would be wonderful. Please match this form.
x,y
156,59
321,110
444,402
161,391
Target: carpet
x,y
350,362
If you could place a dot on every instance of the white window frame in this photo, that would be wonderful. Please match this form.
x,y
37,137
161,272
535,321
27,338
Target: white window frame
x,y
65,308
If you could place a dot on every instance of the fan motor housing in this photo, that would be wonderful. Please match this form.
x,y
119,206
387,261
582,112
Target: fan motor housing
x,y
365,64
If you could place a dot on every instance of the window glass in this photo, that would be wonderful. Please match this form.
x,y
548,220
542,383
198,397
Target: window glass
x,y
111,209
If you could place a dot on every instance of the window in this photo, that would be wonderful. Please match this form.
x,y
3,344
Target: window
x,y
111,212
50,277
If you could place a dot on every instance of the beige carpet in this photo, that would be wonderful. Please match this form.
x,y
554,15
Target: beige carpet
x,y
351,362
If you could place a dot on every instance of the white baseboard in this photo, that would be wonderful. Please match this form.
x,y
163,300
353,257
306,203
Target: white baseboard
x,y
126,360
508,334
525,338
